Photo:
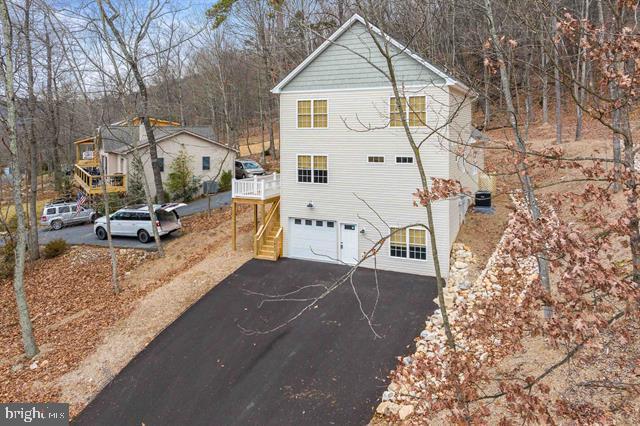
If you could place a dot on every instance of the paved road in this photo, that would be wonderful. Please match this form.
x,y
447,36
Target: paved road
x,y
83,234
326,367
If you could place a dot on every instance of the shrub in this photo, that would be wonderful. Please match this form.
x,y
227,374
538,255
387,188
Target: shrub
x,y
7,259
54,248
225,181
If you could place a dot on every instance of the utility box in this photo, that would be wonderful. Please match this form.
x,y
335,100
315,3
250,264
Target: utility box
x,y
483,199
209,187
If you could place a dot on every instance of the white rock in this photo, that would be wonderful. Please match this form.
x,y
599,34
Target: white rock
x,y
382,408
387,395
33,365
405,411
460,265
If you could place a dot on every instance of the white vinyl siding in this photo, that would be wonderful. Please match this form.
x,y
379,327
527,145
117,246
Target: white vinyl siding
x,y
387,187
339,68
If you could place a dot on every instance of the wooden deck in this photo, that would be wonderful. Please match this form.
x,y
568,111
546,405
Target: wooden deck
x,y
260,192
92,184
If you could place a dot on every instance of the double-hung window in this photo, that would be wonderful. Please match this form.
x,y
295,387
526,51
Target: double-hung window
x,y
313,169
320,172
414,109
398,242
304,168
410,243
417,244
312,114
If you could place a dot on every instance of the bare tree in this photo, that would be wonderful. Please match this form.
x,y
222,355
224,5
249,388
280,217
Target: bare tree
x,y
8,75
131,54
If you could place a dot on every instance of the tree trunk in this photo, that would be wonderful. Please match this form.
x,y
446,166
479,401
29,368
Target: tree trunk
x,y
28,341
487,106
544,78
558,88
107,216
34,247
52,118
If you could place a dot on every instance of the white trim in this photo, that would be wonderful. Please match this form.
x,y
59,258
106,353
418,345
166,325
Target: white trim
x,y
312,169
407,110
384,159
449,81
417,87
313,127
163,138
406,239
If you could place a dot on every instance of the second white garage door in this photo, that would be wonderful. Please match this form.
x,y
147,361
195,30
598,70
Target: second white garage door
x,y
313,239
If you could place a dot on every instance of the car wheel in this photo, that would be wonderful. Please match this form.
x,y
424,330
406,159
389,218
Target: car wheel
x,y
143,236
101,233
57,224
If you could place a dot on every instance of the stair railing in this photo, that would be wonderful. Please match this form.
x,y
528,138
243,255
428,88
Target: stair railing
x,y
272,219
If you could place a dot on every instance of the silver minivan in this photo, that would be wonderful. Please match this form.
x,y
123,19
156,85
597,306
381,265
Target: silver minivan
x,y
63,214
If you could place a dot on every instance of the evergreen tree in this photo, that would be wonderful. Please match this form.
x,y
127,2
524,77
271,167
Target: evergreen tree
x,y
182,184
135,188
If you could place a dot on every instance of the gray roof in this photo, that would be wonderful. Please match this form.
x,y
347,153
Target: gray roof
x,y
121,138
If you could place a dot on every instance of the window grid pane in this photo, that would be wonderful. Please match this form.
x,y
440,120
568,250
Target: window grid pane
x,y
320,162
304,114
394,112
375,159
404,160
320,113
417,111
417,244
304,168
398,242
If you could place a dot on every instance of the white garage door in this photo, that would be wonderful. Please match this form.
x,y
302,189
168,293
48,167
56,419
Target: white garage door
x,y
313,239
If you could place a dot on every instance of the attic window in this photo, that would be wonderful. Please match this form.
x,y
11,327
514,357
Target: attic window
x,y
312,113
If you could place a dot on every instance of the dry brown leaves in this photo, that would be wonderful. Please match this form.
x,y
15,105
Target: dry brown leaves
x,y
72,303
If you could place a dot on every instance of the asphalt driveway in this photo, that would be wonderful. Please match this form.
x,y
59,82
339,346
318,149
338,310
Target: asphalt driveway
x,y
326,367
83,234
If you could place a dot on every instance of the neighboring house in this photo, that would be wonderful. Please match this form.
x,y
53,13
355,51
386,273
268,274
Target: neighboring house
x,y
348,173
208,157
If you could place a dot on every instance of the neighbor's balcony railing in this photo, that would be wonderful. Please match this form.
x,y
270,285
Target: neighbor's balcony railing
x,y
92,184
257,187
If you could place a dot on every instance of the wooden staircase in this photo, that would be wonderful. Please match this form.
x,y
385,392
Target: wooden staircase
x,y
268,240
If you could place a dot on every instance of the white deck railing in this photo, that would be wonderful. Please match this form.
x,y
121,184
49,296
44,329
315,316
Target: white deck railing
x,y
257,187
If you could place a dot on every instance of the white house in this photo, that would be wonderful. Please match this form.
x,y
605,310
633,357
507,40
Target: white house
x,y
348,173
208,157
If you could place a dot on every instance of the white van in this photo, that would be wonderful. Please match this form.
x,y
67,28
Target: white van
x,y
135,221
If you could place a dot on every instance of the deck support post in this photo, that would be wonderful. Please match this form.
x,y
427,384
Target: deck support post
x,y
262,212
233,221
255,219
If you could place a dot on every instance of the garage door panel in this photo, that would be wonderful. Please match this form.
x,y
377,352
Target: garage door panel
x,y
312,239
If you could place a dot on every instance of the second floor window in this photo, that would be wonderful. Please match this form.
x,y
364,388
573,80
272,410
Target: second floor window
x,y
206,163
161,164
312,169
312,113
414,108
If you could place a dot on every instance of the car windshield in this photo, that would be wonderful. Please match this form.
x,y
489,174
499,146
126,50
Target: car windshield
x,y
251,165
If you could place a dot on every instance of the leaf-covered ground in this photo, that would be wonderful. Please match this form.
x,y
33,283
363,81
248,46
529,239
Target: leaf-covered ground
x,y
73,306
